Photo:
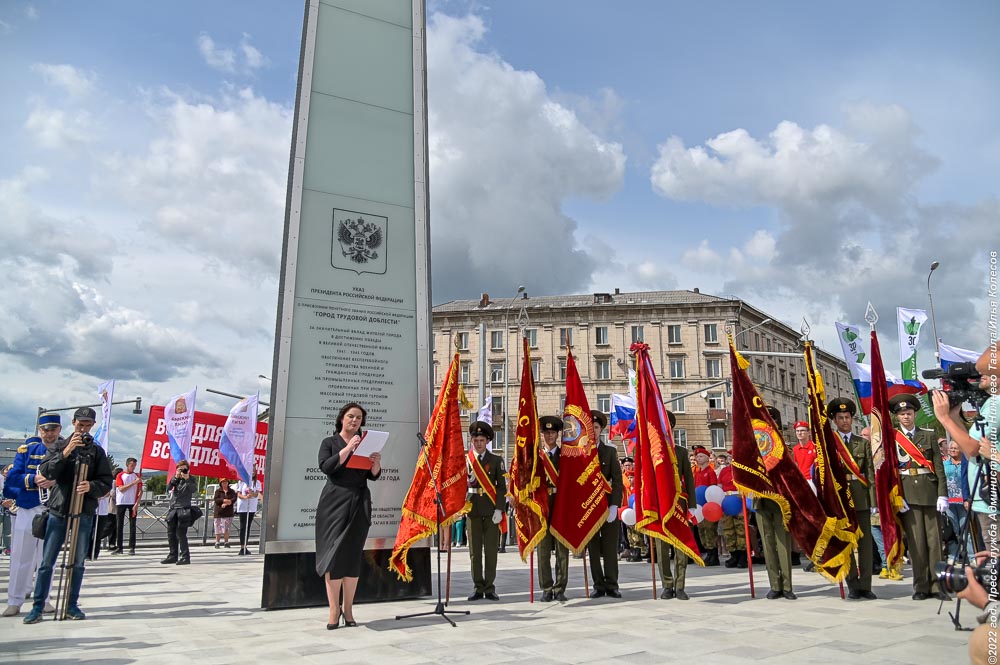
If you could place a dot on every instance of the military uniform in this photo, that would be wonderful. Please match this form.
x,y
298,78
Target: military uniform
x,y
603,546
733,532
776,540
673,583
921,490
859,582
553,589
484,533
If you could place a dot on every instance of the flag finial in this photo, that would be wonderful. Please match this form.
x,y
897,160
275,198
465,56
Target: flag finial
x,y
805,329
871,316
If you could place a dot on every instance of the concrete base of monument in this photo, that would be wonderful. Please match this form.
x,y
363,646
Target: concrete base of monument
x,y
290,580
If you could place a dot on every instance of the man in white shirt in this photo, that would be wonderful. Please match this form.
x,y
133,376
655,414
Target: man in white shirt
x,y
128,488
246,507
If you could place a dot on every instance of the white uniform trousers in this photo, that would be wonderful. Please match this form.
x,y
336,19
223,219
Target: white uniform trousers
x,y
25,557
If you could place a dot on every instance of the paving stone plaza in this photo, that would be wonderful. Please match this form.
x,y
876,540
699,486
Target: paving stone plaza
x,y
141,612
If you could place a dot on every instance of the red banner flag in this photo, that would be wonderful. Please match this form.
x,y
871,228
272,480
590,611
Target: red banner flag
x,y
581,496
832,488
764,467
888,486
527,486
660,510
446,453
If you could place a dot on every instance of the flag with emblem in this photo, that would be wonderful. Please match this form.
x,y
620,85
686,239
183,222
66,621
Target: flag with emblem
x,y
443,457
581,495
764,467
661,510
527,481
888,486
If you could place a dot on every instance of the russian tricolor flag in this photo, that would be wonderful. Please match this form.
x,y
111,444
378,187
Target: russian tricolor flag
x,y
622,421
863,386
952,354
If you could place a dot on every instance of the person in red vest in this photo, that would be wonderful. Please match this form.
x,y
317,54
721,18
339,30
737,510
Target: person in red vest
x,y
732,525
704,476
804,449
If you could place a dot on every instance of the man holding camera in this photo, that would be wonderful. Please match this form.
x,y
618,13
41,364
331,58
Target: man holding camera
x,y
61,466
180,515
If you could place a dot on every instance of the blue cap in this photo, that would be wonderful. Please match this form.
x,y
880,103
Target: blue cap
x,y
49,418
32,440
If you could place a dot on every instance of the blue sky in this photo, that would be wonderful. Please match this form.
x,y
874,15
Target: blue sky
x,y
807,158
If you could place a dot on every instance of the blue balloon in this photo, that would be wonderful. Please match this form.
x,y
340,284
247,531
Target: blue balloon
x,y
750,504
631,501
699,494
732,505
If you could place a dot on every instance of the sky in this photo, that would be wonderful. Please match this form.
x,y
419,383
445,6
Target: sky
x,y
808,159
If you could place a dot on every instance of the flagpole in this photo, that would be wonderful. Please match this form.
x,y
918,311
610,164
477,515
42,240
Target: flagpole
x,y
746,539
586,576
652,562
531,576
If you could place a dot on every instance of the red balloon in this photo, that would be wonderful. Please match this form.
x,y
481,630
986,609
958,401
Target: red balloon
x,y
712,512
621,510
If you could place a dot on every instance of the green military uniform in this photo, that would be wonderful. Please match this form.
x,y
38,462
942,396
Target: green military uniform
x,y
673,583
733,532
776,539
859,582
921,490
484,534
603,547
554,589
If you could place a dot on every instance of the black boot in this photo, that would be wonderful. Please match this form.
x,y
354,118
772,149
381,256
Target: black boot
x,y
733,560
712,558
742,563
171,558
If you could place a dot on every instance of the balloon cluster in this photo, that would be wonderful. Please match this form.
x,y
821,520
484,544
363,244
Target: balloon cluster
x,y
713,503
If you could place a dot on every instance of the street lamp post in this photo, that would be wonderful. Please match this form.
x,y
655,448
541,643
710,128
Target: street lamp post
x,y
506,367
137,410
937,342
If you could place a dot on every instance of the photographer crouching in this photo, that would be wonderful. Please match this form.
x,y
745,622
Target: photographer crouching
x,y
977,586
61,466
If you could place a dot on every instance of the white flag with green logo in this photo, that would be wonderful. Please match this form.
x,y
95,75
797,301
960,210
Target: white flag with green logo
x,y
910,321
850,344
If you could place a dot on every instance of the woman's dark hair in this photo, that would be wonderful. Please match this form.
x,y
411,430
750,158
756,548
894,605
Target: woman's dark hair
x,y
343,412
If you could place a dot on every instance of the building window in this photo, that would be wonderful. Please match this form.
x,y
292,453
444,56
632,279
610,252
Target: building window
x,y
713,368
673,334
781,378
497,408
536,369
711,333
676,404
767,342
601,335
795,411
716,401
532,335
676,368
637,335
603,368
562,404
463,341
770,375
680,437
496,340
791,380
562,369
465,372
498,440
718,437
604,403
565,337
496,372
756,341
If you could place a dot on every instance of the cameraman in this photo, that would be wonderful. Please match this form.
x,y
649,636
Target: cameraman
x,y
983,643
179,515
978,444
60,466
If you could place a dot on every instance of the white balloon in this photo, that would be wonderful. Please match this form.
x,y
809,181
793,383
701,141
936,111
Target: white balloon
x,y
714,494
813,486
698,515
628,517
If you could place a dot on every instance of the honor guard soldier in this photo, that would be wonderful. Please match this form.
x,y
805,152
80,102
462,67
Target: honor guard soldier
x,y
776,540
551,427
603,547
673,583
925,491
26,550
487,498
856,456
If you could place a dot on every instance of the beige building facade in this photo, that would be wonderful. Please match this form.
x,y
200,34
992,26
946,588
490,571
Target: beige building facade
x,y
686,333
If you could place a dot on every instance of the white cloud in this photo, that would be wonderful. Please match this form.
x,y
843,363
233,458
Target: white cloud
x,y
31,13
504,157
243,59
57,129
75,82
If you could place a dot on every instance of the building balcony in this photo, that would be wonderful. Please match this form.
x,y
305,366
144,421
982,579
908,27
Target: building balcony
x,y
717,416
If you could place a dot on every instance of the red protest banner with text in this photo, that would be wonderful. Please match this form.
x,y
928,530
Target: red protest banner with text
x,y
204,455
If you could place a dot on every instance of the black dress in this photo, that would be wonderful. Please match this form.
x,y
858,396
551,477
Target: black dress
x,y
343,514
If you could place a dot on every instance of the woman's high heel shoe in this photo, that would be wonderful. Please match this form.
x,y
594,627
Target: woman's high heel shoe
x,y
333,626
350,623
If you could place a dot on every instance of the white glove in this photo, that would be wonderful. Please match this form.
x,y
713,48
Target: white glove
x,y
497,516
905,507
612,514
874,510
942,505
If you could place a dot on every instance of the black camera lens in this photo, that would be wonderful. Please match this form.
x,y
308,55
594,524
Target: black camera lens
x,y
951,578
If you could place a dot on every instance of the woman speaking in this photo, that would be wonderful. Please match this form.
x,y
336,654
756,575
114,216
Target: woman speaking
x,y
344,513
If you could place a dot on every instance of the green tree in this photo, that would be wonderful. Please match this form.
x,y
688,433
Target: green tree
x,y
156,484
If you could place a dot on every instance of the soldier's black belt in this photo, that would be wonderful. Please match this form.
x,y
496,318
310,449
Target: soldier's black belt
x,y
919,471
851,476
552,490
476,490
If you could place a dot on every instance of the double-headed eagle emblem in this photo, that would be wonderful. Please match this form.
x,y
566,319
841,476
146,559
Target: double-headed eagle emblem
x,y
359,240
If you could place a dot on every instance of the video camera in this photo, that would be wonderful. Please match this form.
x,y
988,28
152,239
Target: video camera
x,y
960,383
953,578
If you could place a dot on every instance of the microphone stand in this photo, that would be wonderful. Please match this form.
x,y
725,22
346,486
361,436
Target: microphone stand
x,y
439,609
